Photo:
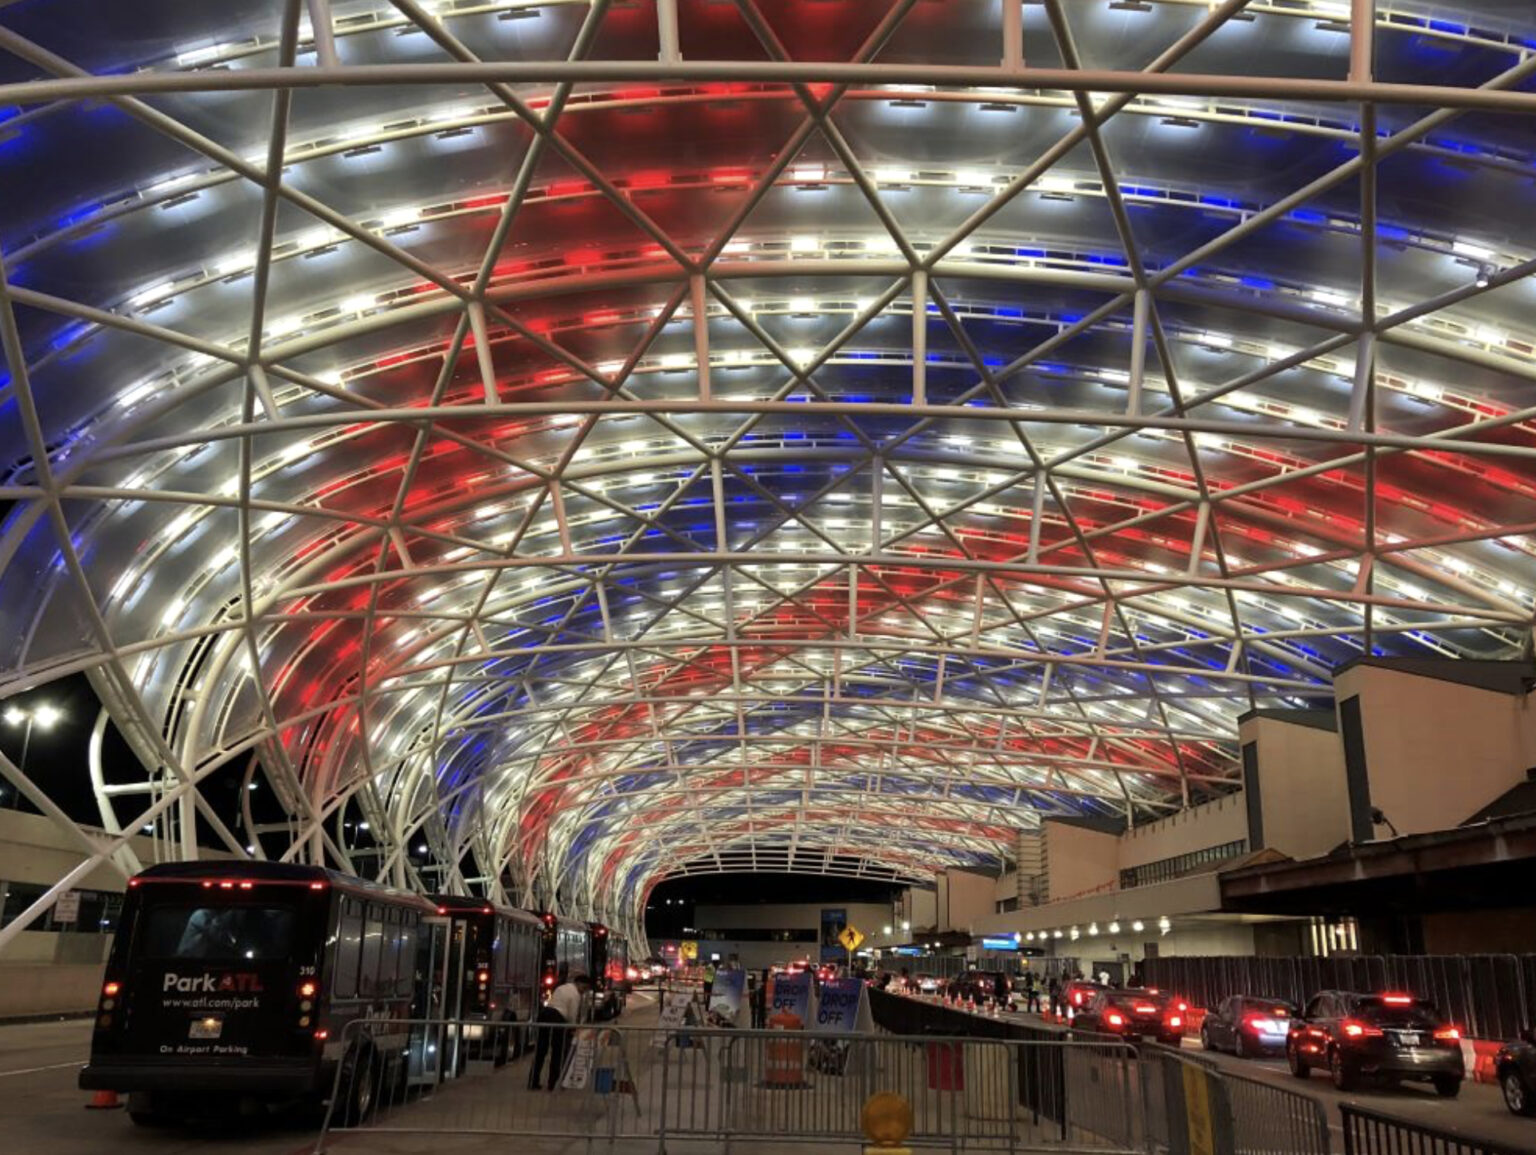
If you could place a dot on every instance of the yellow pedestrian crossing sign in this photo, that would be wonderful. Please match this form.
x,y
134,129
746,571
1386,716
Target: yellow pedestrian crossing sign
x,y
850,937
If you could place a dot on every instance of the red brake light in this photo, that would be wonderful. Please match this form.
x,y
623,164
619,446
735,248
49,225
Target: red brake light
x,y
1448,1034
307,990
1358,1030
111,989
247,885
132,883
1175,1021
207,885
317,886
1398,1000
1145,1009
442,910
226,885
322,1033
1115,1019
485,976
549,980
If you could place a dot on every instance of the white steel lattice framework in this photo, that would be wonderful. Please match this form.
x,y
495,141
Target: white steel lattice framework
x,y
548,447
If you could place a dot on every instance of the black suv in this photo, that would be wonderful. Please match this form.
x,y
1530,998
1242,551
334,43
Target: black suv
x,y
1516,1067
1393,1036
1131,1015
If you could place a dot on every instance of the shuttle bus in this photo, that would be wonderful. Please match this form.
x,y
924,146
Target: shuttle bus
x,y
232,985
497,953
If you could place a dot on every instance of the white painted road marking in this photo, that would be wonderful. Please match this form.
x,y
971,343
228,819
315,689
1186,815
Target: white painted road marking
x,y
35,1070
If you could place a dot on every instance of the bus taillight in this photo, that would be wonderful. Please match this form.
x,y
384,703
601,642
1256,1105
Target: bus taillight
x,y
111,990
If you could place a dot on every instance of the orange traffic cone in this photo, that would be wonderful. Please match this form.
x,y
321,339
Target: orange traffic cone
x,y
104,1101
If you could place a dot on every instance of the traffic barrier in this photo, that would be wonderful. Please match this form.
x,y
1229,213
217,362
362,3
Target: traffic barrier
x,y
785,1064
1368,1132
631,1084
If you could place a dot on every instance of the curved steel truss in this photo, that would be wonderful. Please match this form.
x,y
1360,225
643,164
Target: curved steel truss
x,y
545,447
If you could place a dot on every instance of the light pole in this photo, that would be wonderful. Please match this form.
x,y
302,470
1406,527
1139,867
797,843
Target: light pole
x,y
44,716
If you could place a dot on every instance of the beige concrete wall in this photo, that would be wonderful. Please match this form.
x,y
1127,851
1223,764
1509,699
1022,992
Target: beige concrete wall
x,y
1005,887
1197,828
1302,789
1078,860
1205,940
47,989
1437,752
33,849
965,898
1195,893
921,907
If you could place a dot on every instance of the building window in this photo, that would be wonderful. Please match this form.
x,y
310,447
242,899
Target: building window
x,y
1331,938
1170,868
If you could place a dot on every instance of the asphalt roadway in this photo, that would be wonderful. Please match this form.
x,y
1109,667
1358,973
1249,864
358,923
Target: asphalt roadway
x,y
41,1110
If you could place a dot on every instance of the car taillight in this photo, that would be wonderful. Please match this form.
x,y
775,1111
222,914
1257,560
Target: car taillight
x,y
485,977
1448,1034
1355,1029
308,990
1115,1019
549,980
1146,1009
1175,1021
1398,1000
111,990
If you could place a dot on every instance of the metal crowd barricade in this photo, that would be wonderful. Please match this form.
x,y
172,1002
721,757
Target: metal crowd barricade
x,y
731,1087
1368,1132
1252,1117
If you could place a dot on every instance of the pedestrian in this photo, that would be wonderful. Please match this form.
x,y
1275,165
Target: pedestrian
x,y
558,1018
709,981
760,1001
1032,993
906,980
1055,993
1000,990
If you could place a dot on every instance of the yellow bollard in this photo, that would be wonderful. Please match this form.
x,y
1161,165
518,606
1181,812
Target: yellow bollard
x,y
887,1121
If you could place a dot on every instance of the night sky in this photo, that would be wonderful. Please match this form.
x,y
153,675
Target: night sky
x,y
671,905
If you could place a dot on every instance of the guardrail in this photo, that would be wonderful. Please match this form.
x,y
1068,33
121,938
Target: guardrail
x,y
1246,1116
732,1087
1368,1132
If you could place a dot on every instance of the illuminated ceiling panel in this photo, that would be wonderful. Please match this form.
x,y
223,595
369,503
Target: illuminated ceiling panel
x,y
552,446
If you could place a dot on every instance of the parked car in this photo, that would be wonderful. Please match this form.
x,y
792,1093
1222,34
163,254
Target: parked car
x,y
1391,1036
1247,1025
1132,1015
1515,1065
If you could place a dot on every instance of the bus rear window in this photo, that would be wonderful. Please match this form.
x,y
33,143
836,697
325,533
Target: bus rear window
x,y
218,932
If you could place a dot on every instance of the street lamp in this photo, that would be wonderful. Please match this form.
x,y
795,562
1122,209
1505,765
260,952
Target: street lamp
x,y
44,717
